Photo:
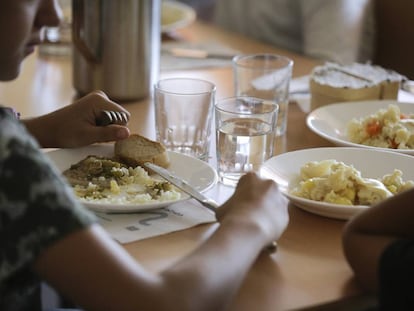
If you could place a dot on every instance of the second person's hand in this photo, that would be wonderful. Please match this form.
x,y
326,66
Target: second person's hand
x,y
257,202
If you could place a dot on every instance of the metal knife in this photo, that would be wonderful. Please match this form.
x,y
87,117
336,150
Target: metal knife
x,y
183,185
198,53
194,193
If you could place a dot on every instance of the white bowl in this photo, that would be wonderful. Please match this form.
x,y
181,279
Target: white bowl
x,y
198,173
176,15
372,163
330,121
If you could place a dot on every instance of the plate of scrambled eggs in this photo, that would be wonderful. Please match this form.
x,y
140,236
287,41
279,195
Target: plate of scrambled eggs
x,y
339,182
175,15
379,124
123,189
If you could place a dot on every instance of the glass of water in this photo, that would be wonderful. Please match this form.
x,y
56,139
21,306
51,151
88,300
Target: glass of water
x,y
266,76
245,135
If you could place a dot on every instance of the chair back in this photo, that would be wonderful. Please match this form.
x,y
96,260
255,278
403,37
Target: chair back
x,y
395,35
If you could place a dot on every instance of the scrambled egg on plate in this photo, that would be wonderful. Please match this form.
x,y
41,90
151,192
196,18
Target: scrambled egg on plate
x,y
335,182
387,128
102,180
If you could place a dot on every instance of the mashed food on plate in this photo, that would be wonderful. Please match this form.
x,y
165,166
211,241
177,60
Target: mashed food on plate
x,y
335,182
387,128
103,180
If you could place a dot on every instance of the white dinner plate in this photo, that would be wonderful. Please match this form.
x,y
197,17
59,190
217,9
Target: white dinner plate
x,y
330,121
372,163
196,172
175,15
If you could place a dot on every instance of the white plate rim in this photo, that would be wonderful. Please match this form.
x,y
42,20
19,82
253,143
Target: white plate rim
x,y
317,119
277,168
203,179
187,15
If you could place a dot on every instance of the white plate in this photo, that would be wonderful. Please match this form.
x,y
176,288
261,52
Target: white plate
x,y
285,170
330,121
175,15
196,172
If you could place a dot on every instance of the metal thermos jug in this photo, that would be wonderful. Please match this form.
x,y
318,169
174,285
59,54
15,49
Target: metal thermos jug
x,y
116,47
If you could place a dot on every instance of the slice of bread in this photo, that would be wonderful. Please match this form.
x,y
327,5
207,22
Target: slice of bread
x,y
332,83
136,150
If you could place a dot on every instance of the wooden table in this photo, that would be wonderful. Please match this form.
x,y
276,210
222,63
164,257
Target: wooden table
x,y
309,267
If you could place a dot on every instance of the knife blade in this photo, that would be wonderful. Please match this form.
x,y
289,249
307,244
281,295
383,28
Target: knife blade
x,y
183,185
192,192
198,53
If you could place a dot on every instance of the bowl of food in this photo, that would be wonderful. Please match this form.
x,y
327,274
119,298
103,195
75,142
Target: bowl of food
x,y
109,178
176,15
339,182
379,124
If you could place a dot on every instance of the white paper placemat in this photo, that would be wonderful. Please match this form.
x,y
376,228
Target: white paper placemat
x,y
126,228
300,93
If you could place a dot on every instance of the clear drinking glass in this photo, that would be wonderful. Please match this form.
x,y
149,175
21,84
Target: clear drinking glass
x,y
183,115
245,135
265,76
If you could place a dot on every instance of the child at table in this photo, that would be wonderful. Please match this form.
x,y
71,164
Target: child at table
x,y
47,235
379,246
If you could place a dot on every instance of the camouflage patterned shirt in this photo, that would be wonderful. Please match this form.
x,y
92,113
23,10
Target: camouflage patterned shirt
x,y
37,208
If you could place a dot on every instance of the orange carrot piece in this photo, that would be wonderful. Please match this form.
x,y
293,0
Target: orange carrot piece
x,y
374,128
393,144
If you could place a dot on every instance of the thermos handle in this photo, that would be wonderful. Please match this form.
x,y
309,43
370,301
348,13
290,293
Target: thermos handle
x,y
77,26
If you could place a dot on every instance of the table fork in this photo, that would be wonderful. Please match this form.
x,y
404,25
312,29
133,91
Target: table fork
x,y
112,117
